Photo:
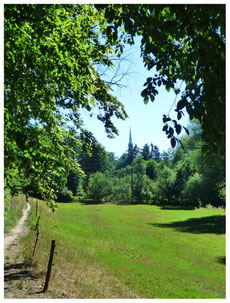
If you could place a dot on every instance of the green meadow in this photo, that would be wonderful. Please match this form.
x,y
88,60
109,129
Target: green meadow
x,y
72,74
135,251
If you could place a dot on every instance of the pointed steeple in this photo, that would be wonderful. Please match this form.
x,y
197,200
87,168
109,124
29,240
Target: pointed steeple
x,y
130,145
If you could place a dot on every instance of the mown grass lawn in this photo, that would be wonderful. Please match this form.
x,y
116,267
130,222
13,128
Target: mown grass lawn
x,y
138,251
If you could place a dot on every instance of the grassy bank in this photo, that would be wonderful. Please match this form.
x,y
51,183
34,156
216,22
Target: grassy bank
x,y
13,207
140,251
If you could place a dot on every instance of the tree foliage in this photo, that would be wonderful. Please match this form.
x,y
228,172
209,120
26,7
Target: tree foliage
x,y
180,43
98,187
186,177
51,58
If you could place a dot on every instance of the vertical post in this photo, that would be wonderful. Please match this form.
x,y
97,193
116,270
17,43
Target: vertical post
x,y
37,224
36,208
49,266
36,241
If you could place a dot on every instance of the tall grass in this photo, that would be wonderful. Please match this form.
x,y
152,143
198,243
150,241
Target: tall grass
x,y
13,208
138,251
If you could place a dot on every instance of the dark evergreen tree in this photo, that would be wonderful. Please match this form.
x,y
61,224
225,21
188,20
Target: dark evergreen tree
x,y
151,169
155,153
73,182
165,156
146,152
95,161
131,154
121,163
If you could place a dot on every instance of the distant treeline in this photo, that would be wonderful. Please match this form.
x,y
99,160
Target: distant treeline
x,y
184,176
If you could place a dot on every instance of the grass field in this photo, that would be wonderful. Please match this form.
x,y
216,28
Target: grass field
x,y
139,251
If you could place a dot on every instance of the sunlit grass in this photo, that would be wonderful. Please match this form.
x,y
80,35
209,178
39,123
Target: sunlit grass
x,y
140,251
13,208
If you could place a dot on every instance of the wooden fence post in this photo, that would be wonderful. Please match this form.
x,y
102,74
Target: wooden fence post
x,y
37,224
36,241
49,266
36,208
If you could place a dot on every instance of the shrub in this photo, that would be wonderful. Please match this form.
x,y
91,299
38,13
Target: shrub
x,y
148,190
222,194
163,187
193,190
121,190
98,188
64,195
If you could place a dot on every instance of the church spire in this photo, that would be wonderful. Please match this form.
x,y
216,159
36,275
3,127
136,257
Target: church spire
x,y
130,139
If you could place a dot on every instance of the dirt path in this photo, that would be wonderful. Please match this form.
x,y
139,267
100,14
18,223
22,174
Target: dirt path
x,y
16,274
20,280
12,236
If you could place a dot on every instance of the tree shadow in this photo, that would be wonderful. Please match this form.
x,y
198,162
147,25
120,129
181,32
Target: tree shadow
x,y
170,207
222,260
204,225
17,272
14,266
91,203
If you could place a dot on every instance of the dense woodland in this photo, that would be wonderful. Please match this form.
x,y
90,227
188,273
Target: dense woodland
x,y
180,177
55,60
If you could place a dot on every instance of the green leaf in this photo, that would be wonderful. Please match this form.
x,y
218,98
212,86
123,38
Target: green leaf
x,y
168,87
146,99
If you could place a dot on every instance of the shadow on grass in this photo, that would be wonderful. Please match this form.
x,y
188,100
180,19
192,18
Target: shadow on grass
x,y
17,272
90,202
222,260
170,207
106,203
204,225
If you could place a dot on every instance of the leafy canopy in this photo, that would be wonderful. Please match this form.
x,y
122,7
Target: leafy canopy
x,y
180,44
51,58
52,54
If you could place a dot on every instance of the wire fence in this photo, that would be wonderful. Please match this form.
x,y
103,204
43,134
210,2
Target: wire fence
x,y
60,272
83,278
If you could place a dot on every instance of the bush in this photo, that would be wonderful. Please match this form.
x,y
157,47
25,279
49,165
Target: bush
x,y
193,190
121,190
64,195
99,188
222,194
163,187
148,190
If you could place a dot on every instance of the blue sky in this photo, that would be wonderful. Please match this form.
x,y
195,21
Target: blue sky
x,y
145,121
